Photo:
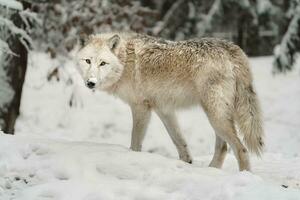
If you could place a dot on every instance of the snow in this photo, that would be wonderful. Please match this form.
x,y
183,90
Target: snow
x,y
263,6
81,152
39,168
11,4
4,48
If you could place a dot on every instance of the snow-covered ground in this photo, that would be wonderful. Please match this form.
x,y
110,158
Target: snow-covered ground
x,y
81,152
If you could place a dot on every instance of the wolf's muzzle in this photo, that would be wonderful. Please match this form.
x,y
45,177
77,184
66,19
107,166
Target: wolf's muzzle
x,y
91,83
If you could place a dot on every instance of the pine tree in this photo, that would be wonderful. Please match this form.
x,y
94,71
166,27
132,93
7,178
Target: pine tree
x,y
286,52
14,44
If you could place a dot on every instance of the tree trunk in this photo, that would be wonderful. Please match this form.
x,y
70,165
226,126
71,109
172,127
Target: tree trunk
x,y
14,69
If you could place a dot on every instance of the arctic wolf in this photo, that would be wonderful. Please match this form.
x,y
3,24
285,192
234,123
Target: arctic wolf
x,y
152,74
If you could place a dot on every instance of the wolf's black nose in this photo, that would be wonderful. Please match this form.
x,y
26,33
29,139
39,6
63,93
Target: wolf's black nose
x,y
90,84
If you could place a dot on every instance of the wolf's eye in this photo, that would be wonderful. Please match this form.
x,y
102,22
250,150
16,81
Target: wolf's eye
x,y
88,61
103,63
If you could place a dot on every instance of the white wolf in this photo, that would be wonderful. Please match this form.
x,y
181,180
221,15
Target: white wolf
x,y
149,73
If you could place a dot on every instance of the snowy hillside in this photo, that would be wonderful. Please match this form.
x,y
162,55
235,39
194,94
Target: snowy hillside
x,y
81,152
56,169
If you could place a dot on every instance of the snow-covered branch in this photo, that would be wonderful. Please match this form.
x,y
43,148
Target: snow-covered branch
x,y
168,18
11,4
29,17
205,24
23,36
4,48
286,52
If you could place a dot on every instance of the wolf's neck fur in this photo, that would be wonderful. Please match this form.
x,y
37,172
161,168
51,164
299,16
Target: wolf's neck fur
x,y
126,54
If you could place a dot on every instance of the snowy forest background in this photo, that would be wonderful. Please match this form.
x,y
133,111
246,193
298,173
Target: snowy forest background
x,y
260,27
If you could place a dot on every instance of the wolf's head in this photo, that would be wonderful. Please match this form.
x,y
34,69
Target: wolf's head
x,y
98,63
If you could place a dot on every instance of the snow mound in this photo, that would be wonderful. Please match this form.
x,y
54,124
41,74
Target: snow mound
x,y
35,168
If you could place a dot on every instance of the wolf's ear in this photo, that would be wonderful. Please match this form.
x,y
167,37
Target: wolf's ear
x,y
113,42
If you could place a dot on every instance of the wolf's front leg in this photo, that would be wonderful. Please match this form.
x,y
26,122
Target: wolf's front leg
x,y
140,118
171,124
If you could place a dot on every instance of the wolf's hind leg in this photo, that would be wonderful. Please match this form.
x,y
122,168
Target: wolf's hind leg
x,y
220,153
140,118
218,102
171,124
226,130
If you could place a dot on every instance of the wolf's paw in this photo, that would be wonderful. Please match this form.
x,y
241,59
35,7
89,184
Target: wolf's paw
x,y
186,158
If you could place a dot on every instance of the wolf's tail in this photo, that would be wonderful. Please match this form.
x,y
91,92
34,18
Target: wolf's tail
x,y
248,113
